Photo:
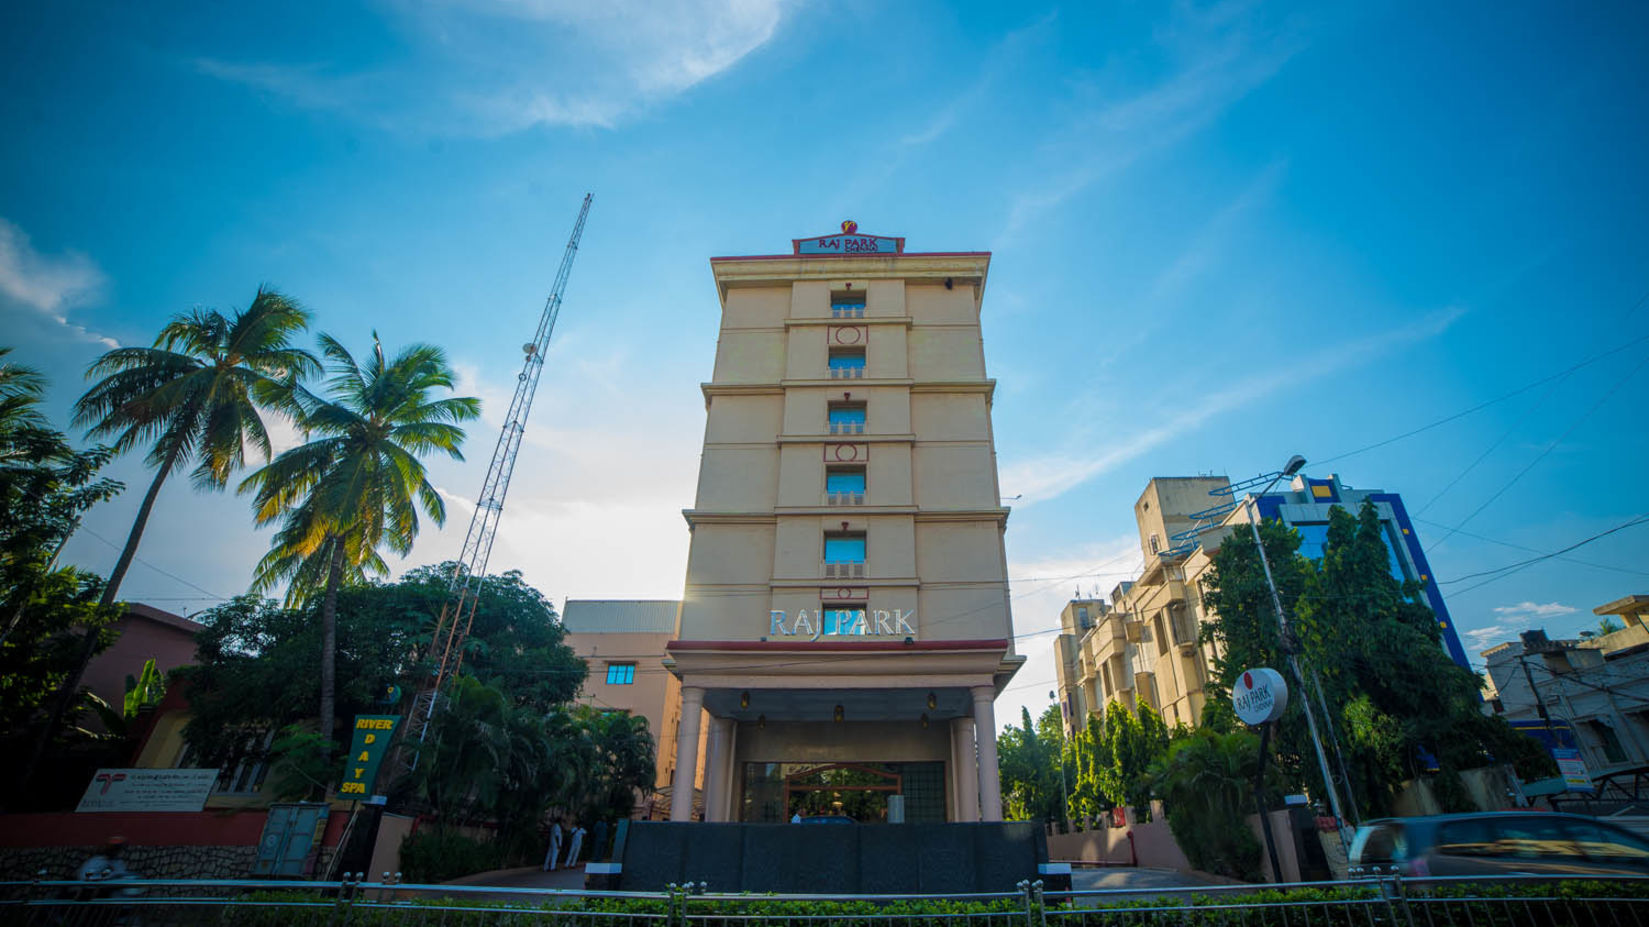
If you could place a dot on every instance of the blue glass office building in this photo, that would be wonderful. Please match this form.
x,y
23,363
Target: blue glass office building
x,y
1305,509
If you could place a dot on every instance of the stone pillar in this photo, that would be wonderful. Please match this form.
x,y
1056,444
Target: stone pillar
x,y
716,766
687,754
967,769
990,776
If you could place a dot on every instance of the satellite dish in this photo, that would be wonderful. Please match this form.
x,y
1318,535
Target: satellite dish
x,y
529,349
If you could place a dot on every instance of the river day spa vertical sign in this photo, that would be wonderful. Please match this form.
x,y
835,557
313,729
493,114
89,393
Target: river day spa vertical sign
x,y
373,734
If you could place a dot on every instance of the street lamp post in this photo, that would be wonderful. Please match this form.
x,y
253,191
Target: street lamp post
x,y
1292,467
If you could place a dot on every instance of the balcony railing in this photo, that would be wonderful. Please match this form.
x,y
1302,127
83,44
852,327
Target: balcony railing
x,y
847,373
845,498
847,428
847,312
844,570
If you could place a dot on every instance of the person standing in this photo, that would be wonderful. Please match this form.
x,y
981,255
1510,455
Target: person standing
x,y
555,845
575,845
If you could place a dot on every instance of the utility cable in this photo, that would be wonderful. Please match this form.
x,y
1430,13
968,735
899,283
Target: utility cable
x,y
1510,568
1498,399
1531,550
1542,455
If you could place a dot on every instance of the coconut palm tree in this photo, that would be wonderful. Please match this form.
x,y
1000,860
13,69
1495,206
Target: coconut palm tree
x,y
357,483
196,395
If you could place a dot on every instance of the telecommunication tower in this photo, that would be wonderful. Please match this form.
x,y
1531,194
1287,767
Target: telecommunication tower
x,y
452,628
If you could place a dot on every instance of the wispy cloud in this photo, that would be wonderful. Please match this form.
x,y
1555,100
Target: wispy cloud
x,y
1046,477
1219,57
48,284
491,67
1534,610
1483,638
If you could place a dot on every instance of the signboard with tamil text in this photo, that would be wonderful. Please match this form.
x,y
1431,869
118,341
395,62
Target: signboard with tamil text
x,y
148,790
849,242
366,750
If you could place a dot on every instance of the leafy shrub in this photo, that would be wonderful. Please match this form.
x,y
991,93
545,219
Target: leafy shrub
x,y
440,854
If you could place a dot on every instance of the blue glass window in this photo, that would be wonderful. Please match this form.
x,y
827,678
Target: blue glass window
x,y
621,674
849,620
847,359
845,480
845,549
847,420
1314,537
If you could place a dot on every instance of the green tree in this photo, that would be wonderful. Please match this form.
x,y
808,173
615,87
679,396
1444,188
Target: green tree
x,y
50,619
1206,781
257,660
1398,705
1030,757
357,483
196,396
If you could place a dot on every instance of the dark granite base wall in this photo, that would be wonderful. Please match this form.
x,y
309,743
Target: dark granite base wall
x,y
188,862
833,858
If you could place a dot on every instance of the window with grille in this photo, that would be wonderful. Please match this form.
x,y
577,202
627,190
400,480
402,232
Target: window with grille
x,y
845,485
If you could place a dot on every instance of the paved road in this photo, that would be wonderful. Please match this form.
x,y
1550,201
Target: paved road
x,y
1132,879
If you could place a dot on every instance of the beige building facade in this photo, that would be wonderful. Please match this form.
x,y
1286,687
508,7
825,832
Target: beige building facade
x,y
622,642
845,625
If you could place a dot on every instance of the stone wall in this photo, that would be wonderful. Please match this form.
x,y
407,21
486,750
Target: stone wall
x,y
173,862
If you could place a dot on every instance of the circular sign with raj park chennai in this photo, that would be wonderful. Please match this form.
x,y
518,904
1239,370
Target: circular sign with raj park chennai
x,y
1259,696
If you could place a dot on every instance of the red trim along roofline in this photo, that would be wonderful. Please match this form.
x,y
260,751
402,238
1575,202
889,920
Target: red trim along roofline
x,y
875,646
862,254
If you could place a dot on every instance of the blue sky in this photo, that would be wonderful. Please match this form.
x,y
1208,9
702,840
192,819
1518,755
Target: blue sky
x,y
1222,234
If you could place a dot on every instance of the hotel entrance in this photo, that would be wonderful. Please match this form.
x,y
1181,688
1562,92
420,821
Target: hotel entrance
x,y
777,792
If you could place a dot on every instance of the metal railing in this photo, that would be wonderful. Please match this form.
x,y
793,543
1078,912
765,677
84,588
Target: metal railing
x,y
847,373
1377,901
833,570
847,428
845,497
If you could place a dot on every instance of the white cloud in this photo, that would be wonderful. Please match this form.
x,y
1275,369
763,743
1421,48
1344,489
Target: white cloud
x,y
48,284
489,67
1051,475
1534,610
1220,59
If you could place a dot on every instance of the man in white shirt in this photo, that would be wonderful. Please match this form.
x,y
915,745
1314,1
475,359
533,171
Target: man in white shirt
x,y
555,846
575,845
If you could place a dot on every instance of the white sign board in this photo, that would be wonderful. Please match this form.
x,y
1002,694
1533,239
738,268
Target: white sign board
x,y
148,790
1259,696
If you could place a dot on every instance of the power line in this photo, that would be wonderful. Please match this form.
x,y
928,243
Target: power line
x,y
1585,563
155,568
1498,399
1509,569
1542,455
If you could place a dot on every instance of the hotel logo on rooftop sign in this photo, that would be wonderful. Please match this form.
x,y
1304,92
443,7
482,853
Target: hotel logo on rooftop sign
x,y
849,242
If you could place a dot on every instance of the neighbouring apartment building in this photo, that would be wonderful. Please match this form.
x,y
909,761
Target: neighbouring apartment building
x,y
623,643
1589,694
845,625
1144,647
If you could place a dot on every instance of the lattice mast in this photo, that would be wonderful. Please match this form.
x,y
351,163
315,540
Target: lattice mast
x,y
458,612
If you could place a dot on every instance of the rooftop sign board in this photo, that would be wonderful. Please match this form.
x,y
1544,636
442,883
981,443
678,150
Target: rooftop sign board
x,y
848,242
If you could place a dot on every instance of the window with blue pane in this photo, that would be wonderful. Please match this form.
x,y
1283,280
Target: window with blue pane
x,y
1314,538
845,479
847,419
845,548
844,620
847,363
847,306
621,674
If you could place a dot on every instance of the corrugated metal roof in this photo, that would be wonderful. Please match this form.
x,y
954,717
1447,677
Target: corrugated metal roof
x,y
620,616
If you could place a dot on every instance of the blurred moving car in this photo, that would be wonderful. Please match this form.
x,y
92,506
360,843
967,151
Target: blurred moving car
x,y
1500,843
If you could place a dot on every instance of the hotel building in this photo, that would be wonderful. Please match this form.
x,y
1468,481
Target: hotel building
x,y
845,625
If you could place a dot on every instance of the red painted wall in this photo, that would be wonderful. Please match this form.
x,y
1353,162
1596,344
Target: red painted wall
x,y
204,828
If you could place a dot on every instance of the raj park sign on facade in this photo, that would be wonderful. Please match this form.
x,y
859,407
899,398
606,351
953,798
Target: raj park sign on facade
x,y
848,242
842,622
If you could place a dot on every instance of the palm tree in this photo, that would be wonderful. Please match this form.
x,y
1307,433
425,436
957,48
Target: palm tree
x,y
357,483
196,395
